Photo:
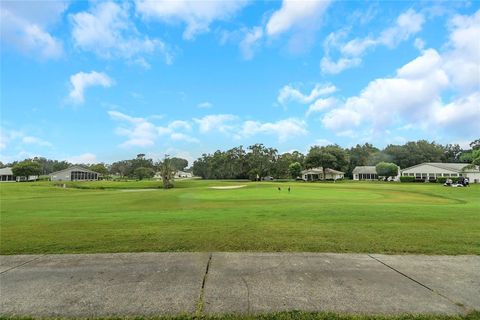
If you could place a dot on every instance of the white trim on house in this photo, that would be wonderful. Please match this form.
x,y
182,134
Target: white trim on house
x,y
430,171
316,174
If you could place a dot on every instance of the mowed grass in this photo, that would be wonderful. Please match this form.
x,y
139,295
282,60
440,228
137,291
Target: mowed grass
x,y
107,216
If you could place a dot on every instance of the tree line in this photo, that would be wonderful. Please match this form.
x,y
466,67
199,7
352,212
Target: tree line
x,y
258,161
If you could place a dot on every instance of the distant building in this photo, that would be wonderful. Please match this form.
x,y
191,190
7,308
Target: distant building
x,y
183,174
430,171
316,174
365,173
74,173
6,175
370,173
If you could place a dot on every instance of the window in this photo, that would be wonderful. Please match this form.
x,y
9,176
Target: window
x,y
411,174
454,175
446,175
424,175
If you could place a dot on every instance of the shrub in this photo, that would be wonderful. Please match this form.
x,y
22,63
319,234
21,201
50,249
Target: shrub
x,y
407,179
444,179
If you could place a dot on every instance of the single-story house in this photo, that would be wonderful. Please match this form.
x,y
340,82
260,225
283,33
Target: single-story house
x,y
369,173
430,171
315,174
6,175
74,173
183,174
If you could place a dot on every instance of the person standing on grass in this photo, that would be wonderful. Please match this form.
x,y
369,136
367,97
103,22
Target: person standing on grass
x,y
279,189
288,189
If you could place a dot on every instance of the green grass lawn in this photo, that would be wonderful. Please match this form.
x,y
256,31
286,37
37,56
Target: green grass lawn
x,y
318,217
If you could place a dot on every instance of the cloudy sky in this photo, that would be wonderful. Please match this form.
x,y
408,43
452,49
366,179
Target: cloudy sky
x,y
103,81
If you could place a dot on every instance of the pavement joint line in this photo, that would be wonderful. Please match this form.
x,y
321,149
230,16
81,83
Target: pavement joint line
x,y
22,264
467,310
248,293
201,302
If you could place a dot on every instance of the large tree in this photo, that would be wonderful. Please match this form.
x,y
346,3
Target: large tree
x,y
27,168
178,163
260,160
415,152
143,173
360,156
386,169
332,156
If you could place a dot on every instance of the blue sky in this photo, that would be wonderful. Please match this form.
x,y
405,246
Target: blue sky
x,y
102,81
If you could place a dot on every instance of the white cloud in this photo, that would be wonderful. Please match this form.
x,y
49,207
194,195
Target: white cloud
x,y
283,129
215,122
139,132
142,133
322,105
291,94
250,42
24,25
36,141
84,158
81,81
463,59
295,14
413,98
107,31
407,24
205,105
196,15
20,138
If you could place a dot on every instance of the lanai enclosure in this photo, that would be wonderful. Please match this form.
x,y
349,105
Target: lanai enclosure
x,y
74,173
430,171
370,173
316,174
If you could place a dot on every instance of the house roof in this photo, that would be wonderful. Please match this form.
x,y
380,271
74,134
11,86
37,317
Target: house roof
x,y
365,169
6,171
320,170
455,167
76,168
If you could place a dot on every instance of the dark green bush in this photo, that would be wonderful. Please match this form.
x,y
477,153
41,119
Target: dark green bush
x,y
407,179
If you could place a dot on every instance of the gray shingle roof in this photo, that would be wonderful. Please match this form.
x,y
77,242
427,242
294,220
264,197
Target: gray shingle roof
x,y
6,172
456,167
364,169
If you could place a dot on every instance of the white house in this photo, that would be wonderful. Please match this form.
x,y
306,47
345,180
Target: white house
x,y
74,173
315,174
430,171
6,175
369,173
183,174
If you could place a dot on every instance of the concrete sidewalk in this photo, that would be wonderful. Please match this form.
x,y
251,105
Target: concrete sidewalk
x,y
170,283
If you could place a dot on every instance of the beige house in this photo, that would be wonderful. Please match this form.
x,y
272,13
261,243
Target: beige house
x,y
430,171
316,174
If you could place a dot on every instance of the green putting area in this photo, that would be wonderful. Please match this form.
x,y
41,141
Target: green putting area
x,y
202,215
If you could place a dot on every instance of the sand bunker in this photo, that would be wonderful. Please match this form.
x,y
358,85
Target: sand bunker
x,y
228,187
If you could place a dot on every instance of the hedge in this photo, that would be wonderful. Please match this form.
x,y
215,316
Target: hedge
x,y
407,179
444,179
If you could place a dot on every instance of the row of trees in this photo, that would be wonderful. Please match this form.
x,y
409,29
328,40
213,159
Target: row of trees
x,y
138,168
259,161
